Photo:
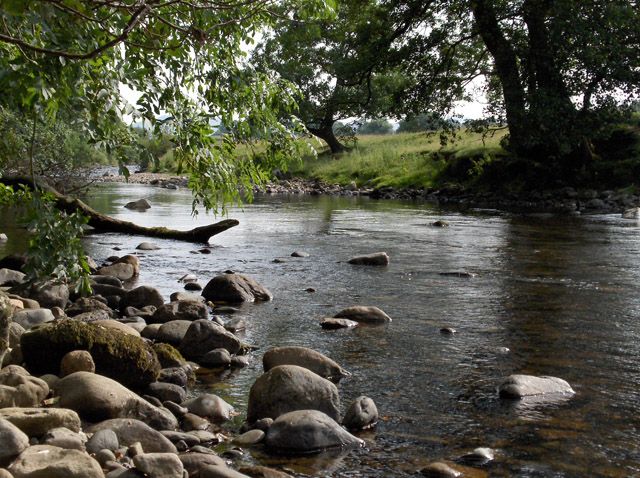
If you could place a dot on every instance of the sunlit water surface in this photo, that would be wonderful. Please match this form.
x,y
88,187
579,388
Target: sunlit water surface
x,y
562,293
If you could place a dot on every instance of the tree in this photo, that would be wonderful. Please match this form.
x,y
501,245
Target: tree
x,y
420,123
376,126
341,65
183,56
557,72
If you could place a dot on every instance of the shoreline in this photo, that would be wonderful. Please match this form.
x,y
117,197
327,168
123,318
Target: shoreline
x,y
566,200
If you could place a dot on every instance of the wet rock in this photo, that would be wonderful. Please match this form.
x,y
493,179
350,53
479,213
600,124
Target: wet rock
x,y
479,457
288,387
19,389
299,254
77,361
519,386
631,213
203,336
159,465
361,414
235,288
191,421
92,316
249,438
459,274
178,375
240,361
305,431
448,331
9,276
363,314
168,391
310,290
106,280
192,286
3,237
64,438
96,398
194,462
35,422
375,259
235,325
304,357
262,472
126,358
139,205
122,271
216,358
172,332
176,296
141,297
440,223
13,440
220,472
148,246
440,470
29,318
331,323
210,406
103,440
180,310
53,462
130,431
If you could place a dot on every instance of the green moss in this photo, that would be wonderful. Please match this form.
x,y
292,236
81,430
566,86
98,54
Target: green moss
x,y
125,358
168,355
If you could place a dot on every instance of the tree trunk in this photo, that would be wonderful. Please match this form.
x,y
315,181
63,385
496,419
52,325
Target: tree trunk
x,y
103,223
506,64
326,134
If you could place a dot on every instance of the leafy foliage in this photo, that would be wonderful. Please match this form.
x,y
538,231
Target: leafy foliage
x,y
376,126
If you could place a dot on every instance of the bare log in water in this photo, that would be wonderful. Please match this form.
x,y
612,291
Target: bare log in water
x,y
103,223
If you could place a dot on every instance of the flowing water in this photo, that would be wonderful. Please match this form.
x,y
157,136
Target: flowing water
x,y
561,293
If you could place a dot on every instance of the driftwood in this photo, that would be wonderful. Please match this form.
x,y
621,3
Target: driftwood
x,y
103,223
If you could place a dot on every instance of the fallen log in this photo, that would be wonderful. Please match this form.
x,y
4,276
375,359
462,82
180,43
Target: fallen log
x,y
103,223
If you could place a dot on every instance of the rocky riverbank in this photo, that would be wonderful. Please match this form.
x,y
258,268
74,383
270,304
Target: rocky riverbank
x,y
565,200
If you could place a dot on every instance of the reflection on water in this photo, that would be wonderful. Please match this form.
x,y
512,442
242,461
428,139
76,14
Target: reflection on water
x,y
560,292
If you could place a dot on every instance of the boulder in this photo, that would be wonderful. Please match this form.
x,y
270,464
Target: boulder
x,y
121,270
375,259
167,392
151,331
19,389
168,356
262,472
159,465
53,462
13,440
139,205
35,422
148,246
47,293
631,213
361,414
194,462
299,254
304,357
77,361
288,387
172,332
64,438
87,304
9,276
211,471
131,260
307,431
181,376
130,431
216,358
180,310
103,440
185,296
125,328
331,323
107,280
29,318
235,288
108,290
440,470
363,314
97,398
210,406
249,438
141,297
520,386
205,335
93,316
126,358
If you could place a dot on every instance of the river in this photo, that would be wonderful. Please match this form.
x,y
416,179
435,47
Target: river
x,y
560,292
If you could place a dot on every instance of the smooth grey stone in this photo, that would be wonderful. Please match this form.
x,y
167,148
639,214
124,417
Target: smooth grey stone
x,y
103,440
519,386
375,259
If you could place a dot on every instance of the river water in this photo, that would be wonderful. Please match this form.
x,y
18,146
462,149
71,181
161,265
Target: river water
x,y
561,293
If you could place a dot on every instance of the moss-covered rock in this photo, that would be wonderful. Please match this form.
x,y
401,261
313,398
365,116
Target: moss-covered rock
x,y
125,358
168,355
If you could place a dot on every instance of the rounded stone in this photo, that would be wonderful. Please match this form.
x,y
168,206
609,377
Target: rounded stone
x,y
77,361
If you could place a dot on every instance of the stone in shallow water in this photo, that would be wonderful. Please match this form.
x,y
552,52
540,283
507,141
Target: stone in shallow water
x,y
364,314
139,205
519,386
303,357
375,259
331,323
299,254
440,470
235,288
147,246
361,414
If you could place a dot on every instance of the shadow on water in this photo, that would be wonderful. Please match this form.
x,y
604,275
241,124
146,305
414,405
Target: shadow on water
x,y
561,293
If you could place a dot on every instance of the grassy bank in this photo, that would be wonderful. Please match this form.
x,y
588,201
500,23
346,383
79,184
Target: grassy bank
x,y
402,160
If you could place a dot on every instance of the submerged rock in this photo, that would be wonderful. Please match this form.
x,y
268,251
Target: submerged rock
x,y
139,205
288,387
331,323
519,386
303,357
180,310
367,315
361,414
440,470
375,259
235,288
203,336
306,431
159,465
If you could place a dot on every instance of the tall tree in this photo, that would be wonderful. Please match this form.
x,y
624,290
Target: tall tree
x,y
342,65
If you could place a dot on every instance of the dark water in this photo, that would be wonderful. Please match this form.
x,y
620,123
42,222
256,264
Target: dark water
x,y
562,293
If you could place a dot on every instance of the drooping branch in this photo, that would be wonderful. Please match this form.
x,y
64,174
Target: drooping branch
x,y
103,223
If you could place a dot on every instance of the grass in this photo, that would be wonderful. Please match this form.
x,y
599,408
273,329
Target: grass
x,y
401,160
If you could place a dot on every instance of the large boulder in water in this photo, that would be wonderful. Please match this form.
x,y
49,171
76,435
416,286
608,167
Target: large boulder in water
x,y
235,288
304,357
126,358
364,314
139,205
203,336
97,398
288,387
307,431
141,297
179,310
520,386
